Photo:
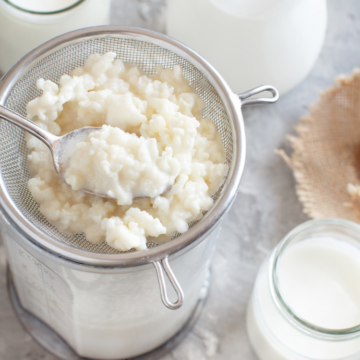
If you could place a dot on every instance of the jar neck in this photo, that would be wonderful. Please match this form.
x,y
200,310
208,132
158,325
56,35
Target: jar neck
x,y
35,17
280,302
29,10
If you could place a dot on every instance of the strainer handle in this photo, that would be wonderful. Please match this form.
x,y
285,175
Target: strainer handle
x,y
27,125
245,95
159,266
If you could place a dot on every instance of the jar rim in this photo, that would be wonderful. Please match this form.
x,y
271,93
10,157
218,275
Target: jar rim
x,y
78,2
274,283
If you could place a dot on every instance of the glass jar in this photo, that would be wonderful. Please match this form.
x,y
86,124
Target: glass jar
x,y
275,328
252,42
21,29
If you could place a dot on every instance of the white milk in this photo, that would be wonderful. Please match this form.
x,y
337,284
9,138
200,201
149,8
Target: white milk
x,y
252,42
319,280
22,31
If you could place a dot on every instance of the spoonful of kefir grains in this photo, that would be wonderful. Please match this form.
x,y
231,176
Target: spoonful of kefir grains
x,y
106,161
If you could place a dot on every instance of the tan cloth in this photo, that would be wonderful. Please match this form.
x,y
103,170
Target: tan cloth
x,y
326,155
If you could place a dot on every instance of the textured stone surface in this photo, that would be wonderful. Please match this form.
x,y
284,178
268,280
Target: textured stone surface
x,y
264,211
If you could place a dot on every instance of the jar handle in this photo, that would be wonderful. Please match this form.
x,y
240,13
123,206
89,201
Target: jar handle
x,y
159,266
257,90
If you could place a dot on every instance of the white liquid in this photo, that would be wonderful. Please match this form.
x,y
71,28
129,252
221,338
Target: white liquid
x,y
21,32
43,5
252,42
319,280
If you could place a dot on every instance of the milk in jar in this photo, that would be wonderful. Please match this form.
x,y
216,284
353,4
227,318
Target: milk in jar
x,y
324,291
26,24
252,42
306,299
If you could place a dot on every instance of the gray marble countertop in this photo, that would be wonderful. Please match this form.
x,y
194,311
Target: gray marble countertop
x,y
264,211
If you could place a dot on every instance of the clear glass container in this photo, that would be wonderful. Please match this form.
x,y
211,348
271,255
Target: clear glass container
x,y
22,30
101,312
278,331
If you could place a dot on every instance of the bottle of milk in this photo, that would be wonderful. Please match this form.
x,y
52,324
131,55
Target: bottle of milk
x,y
306,299
26,24
252,42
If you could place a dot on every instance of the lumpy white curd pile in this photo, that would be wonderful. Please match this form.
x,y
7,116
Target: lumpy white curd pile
x,y
150,139
121,165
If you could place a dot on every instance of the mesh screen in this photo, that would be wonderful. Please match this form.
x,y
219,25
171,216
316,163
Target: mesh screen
x,y
145,55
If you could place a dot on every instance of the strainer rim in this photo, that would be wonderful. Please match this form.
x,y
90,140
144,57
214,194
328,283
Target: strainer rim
x,y
183,242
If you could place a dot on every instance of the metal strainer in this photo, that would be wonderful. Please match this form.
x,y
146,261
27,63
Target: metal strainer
x,y
146,50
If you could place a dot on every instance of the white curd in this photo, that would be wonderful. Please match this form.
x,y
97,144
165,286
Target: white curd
x,y
317,278
153,138
121,165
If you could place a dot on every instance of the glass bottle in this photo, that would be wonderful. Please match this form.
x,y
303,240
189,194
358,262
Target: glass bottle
x,y
21,29
252,42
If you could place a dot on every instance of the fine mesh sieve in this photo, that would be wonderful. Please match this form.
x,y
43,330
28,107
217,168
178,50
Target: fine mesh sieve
x,y
147,56
146,50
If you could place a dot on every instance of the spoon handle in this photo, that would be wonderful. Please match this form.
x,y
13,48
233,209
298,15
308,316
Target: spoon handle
x,y
27,125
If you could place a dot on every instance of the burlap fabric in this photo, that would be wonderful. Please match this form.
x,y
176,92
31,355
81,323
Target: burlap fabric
x,y
326,157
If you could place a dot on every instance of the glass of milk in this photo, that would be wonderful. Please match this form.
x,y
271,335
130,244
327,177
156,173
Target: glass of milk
x,y
306,299
252,42
26,24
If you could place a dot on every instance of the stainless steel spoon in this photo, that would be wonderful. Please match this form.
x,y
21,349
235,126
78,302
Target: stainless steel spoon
x,y
60,146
